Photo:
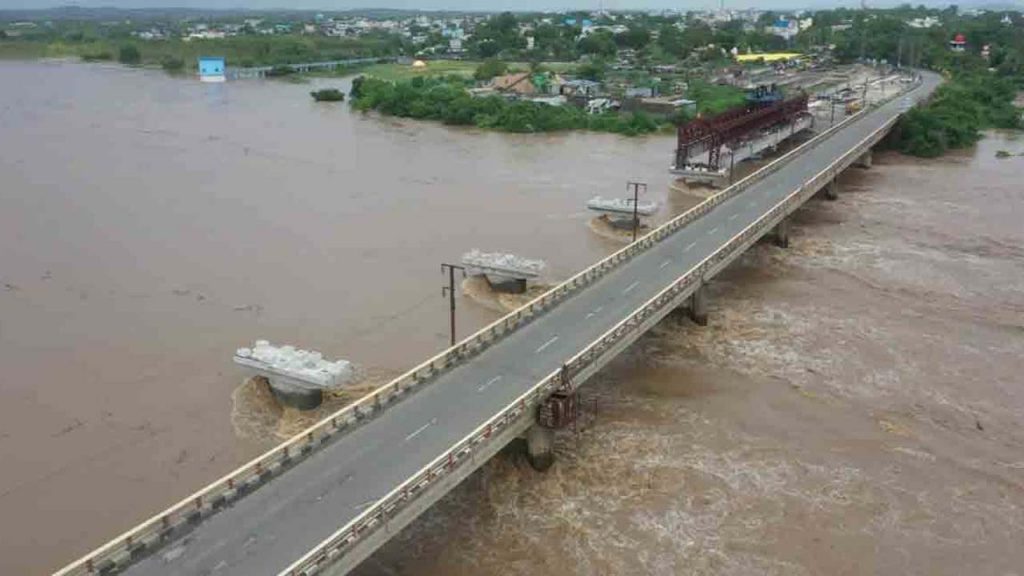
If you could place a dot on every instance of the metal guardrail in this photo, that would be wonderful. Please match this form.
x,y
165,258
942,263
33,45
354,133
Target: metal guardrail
x,y
335,546
260,71
179,518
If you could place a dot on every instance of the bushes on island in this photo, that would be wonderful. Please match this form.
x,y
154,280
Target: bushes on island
x,y
328,95
447,100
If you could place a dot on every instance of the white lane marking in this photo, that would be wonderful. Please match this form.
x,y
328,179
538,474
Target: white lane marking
x,y
733,217
420,429
488,383
630,287
713,230
753,204
589,315
690,245
665,263
598,309
546,344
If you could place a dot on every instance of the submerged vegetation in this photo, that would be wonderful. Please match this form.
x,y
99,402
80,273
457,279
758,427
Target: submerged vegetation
x,y
446,99
328,95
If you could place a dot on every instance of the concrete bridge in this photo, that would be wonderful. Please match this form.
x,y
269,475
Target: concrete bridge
x,y
326,499
263,71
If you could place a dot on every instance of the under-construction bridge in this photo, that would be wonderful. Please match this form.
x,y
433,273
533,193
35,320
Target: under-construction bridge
x,y
764,108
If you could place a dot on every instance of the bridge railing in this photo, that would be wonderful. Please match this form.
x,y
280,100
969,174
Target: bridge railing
x,y
180,517
388,506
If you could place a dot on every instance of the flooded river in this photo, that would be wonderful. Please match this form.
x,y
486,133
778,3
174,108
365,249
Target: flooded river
x,y
853,407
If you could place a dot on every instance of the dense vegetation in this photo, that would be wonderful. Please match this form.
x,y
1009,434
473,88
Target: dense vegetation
x,y
447,100
92,41
955,115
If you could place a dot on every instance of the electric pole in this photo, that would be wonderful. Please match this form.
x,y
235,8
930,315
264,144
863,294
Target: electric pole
x,y
449,291
636,186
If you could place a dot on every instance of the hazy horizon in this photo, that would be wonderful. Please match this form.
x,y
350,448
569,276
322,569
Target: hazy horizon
x,y
474,5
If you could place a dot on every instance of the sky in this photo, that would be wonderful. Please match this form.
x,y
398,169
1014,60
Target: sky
x,y
482,5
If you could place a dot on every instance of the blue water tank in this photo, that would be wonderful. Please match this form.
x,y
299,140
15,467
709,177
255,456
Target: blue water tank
x,y
211,66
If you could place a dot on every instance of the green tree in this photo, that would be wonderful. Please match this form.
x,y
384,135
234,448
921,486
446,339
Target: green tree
x,y
593,70
489,69
172,63
129,54
635,38
599,43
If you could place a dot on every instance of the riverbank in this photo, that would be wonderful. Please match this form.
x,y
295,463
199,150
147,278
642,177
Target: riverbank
x,y
448,100
955,116
175,53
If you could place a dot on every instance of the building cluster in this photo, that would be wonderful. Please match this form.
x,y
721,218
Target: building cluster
x,y
454,30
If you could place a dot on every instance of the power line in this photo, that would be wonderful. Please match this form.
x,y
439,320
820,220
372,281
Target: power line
x,y
449,290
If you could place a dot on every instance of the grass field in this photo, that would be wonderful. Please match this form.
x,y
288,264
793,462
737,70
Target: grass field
x,y
394,72
397,72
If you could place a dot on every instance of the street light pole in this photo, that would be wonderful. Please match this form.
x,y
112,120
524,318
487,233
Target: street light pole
x,y
449,290
636,192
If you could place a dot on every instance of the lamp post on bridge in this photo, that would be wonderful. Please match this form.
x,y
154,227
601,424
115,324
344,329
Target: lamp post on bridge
x,y
636,186
449,291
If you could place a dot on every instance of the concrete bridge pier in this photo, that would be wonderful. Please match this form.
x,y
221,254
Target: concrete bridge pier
x,y
699,306
832,189
780,234
506,284
540,447
865,160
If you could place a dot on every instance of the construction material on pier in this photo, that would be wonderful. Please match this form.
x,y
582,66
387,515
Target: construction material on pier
x,y
297,377
708,148
504,272
622,206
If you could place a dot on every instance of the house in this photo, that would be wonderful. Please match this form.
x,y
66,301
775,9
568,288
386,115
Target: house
x,y
660,106
641,92
926,22
958,43
527,84
784,28
580,88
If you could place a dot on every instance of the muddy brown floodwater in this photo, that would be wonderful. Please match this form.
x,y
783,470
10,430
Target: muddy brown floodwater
x,y
853,407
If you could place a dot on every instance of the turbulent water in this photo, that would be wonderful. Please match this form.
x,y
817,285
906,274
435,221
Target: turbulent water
x,y
853,407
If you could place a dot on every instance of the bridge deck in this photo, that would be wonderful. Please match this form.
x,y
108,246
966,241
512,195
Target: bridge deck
x,y
262,533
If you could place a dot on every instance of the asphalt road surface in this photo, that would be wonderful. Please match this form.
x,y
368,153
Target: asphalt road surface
x,y
264,532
